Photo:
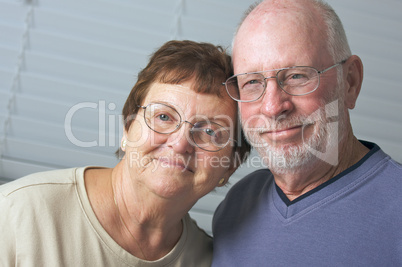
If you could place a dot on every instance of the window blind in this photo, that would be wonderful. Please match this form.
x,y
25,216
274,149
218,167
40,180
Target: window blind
x,y
66,68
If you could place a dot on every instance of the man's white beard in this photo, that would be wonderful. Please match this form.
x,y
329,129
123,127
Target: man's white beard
x,y
281,159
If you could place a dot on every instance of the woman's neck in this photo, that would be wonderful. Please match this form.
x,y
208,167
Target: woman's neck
x,y
145,226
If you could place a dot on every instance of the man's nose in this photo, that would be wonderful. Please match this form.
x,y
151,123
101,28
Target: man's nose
x,y
275,101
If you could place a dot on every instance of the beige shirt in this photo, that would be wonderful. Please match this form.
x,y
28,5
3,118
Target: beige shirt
x,y
46,220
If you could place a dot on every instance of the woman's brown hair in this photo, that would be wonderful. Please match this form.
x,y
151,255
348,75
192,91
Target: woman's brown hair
x,y
180,61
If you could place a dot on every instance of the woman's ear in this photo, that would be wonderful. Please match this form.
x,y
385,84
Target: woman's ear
x,y
353,69
123,143
232,168
223,181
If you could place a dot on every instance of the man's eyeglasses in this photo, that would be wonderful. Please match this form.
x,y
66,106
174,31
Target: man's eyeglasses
x,y
164,119
297,81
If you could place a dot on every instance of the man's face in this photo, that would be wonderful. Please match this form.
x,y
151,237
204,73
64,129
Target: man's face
x,y
284,128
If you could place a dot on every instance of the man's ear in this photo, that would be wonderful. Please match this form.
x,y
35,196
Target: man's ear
x,y
353,69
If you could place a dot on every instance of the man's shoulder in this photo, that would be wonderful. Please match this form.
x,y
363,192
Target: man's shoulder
x,y
395,167
249,187
380,163
255,179
241,198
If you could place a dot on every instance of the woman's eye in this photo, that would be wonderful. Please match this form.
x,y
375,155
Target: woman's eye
x,y
210,132
163,117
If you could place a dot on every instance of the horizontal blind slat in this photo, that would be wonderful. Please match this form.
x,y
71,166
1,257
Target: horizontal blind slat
x,y
57,157
54,89
85,72
13,169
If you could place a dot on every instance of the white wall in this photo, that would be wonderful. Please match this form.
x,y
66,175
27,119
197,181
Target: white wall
x,y
57,55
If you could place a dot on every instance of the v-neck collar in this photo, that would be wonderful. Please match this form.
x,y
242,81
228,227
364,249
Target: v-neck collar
x,y
326,191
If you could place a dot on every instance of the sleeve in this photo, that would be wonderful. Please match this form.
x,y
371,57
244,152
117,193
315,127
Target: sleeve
x,y
7,234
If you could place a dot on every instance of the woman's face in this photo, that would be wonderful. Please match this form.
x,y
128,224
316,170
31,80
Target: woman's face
x,y
171,165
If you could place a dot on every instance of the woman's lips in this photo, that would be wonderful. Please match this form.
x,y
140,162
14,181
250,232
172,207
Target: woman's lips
x,y
174,163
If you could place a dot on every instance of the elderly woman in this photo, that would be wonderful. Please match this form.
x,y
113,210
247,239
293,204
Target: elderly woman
x,y
180,142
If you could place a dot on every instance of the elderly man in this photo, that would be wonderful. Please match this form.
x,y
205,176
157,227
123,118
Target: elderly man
x,y
327,198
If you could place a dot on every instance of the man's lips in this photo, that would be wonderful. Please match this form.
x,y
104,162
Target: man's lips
x,y
285,133
284,130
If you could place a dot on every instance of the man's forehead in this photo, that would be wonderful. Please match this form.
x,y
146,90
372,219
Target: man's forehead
x,y
277,32
270,11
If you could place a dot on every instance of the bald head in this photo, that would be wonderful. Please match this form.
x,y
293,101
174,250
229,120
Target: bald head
x,y
311,21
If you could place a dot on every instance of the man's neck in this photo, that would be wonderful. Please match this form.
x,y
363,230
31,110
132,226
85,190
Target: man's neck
x,y
296,184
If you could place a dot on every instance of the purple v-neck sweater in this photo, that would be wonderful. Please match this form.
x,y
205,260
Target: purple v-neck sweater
x,y
354,219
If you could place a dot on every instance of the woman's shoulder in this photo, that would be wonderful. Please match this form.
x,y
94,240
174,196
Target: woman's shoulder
x,y
197,248
38,180
194,229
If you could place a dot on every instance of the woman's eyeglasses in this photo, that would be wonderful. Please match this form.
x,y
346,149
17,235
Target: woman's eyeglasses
x,y
164,119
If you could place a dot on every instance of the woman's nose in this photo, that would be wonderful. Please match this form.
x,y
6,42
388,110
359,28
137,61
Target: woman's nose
x,y
181,140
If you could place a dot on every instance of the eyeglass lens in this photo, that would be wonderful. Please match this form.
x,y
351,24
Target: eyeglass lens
x,y
294,81
207,135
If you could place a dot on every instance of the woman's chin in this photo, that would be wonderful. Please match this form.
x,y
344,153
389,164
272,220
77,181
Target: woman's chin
x,y
171,184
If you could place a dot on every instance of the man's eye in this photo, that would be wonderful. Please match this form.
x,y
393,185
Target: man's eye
x,y
253,82
297,76
295,79
251,85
